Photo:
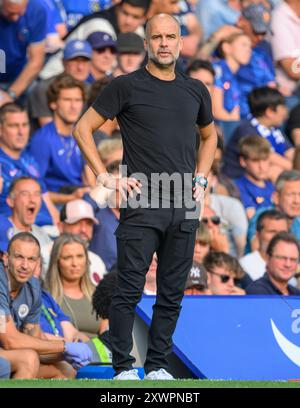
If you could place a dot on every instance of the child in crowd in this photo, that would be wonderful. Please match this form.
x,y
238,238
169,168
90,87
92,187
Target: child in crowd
x,y
254,186
235,51
268,113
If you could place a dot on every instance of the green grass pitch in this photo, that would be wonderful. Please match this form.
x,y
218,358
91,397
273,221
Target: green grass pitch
x,y
145,384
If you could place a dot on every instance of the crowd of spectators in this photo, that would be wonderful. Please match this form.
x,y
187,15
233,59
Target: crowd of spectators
x,y
58,250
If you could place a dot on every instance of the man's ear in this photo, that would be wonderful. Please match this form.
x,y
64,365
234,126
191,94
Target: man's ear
x,y
269,113
10,201
242,161
5,259
52,106
180,43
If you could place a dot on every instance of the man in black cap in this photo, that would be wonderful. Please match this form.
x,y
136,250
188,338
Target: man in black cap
x,y
131,53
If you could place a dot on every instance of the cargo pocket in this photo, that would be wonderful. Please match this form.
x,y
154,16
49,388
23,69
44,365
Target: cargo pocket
x,y
130,248
185,239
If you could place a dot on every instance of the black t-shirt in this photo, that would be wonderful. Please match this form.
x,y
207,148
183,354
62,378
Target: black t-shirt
x,y
157,120
293,122
264,286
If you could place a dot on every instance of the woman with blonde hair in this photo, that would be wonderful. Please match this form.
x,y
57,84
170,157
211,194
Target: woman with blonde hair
x,y
69,283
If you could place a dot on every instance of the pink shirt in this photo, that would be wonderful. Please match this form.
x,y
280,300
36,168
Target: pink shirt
x,y
285,41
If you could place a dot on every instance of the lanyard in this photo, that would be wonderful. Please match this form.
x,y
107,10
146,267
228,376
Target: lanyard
x,y
50,320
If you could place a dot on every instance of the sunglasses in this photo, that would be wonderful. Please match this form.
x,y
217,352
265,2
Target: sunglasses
x,y
103,50
215,219
223,278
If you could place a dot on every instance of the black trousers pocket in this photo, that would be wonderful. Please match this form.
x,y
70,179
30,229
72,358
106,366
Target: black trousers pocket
x,y
130,247
184,238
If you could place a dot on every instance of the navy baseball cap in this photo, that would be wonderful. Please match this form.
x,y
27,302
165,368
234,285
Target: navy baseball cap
x,y
259,17
99,40
77,48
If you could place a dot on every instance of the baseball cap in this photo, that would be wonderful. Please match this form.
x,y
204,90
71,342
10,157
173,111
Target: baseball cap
x,y
197,276
259,17
77,48
77,210
130,42
100,39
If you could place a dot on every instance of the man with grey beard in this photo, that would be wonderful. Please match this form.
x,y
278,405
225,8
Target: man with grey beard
x,y
157,109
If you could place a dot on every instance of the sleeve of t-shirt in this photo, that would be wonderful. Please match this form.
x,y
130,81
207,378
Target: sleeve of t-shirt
x,y
34,314
39,149
39,22
293,120
113,98
205,116
4,295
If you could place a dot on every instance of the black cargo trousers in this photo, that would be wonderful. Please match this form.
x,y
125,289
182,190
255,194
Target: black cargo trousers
x,y
142,232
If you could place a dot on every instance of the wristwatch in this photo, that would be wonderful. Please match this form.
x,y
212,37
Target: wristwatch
x,y
201,181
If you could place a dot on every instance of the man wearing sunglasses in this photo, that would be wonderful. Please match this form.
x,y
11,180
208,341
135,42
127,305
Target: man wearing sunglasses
x,y
103,56
219,239
282,263
222,274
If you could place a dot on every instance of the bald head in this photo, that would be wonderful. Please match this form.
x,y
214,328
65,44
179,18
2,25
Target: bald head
x,y
163,40
160,20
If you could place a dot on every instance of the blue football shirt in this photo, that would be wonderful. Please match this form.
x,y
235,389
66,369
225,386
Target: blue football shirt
x,y
253,196
60,160
15,37
258,72
76,9
56,315
227,81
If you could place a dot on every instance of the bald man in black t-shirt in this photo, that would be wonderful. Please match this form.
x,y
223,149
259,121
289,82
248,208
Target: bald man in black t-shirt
x,y
157,109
